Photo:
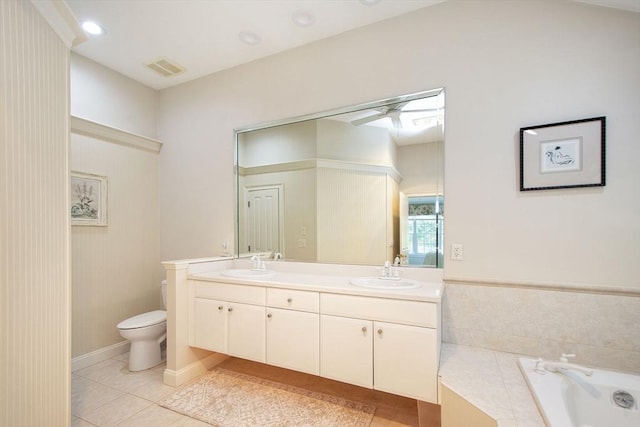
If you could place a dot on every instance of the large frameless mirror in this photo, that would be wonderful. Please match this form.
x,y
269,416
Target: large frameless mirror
x,y
357,185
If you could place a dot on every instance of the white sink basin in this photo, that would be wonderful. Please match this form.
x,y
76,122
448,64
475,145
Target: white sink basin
x,y
248,273
378,283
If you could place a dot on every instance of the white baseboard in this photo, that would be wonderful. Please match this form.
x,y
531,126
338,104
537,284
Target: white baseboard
x,y
192,370
99,355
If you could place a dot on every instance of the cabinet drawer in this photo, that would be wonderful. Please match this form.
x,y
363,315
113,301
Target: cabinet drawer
x,y
415,313
293,299
230,292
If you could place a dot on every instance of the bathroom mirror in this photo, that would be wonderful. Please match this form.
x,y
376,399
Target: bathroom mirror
x,y
356,185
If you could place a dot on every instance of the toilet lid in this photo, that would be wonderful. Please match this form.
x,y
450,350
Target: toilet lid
x,y
145,319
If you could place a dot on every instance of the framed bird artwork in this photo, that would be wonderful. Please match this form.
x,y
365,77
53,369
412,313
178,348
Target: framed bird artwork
x,y
563,155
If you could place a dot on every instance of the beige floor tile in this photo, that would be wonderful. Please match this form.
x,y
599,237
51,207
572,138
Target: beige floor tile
x,y
79,422
114,373
124,357
88,395
153,416
117,410
160,368
155,389
189,422
100,369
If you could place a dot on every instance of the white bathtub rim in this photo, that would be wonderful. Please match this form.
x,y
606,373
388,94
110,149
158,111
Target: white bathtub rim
x,y
551,402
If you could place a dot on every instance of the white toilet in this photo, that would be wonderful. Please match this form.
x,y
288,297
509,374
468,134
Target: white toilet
x,y
146,332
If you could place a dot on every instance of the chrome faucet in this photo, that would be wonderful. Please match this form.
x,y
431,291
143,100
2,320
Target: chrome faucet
x,y
256,263
384,273
563,364
391,272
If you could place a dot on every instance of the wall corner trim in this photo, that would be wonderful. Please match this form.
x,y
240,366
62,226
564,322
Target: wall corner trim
x,y
61,19
107,133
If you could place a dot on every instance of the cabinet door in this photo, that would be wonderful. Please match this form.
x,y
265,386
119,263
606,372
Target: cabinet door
x,y
246,331
210,325
405,361
346,350
293,340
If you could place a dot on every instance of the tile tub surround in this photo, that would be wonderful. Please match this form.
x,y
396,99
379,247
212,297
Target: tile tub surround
x,y
600,328
492,382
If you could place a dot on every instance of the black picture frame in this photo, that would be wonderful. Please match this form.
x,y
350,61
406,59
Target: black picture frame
x,y
569,154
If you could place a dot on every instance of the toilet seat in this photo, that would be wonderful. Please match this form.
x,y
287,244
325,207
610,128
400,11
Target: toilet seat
x,y
144,320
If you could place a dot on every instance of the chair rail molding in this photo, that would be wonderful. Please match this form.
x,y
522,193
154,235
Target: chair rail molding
x,y
118,136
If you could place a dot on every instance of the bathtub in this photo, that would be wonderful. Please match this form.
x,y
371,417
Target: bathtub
x,y
572,399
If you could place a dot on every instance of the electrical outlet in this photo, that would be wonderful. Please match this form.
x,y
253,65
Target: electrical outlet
x,y
456,251
302,243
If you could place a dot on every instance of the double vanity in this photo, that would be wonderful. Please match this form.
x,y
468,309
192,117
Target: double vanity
x,y
339,322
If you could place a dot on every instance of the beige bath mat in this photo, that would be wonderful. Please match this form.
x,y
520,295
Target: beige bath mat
x,y
230,399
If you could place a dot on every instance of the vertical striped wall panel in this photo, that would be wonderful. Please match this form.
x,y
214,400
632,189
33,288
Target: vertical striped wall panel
x,y
34,228
352,216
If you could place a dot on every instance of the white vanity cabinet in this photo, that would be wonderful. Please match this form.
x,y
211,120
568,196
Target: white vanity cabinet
x,y
293,330
229,319
346,352
388,345
405,360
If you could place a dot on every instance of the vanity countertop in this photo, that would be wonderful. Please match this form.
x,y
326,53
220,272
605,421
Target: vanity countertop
x,y
428,292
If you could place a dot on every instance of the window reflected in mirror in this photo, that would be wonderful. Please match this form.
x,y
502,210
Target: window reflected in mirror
x,y
424,225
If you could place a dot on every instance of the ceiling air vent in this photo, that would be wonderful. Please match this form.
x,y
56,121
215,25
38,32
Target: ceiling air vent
x,y
165,67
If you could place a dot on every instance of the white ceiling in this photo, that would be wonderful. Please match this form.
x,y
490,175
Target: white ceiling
x,y
202,35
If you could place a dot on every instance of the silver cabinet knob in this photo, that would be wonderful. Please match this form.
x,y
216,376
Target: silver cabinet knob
x,y
230,309
379,331
289,300
220,307
364,329
269,315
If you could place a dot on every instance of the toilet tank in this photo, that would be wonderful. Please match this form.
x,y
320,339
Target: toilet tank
x,y
163,287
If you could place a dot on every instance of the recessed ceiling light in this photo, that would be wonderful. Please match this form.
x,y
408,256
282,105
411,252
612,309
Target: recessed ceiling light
x,y
249,37
92,28
369,2
303,18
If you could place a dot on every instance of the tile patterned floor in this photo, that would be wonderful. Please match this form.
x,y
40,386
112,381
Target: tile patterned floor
x,y
107,394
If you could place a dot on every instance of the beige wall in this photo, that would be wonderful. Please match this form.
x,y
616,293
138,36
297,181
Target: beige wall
x,y
421,167
116,269
342,141
504,65
105,96
35,330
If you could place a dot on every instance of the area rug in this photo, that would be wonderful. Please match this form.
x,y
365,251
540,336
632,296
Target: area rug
x,y
230,399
